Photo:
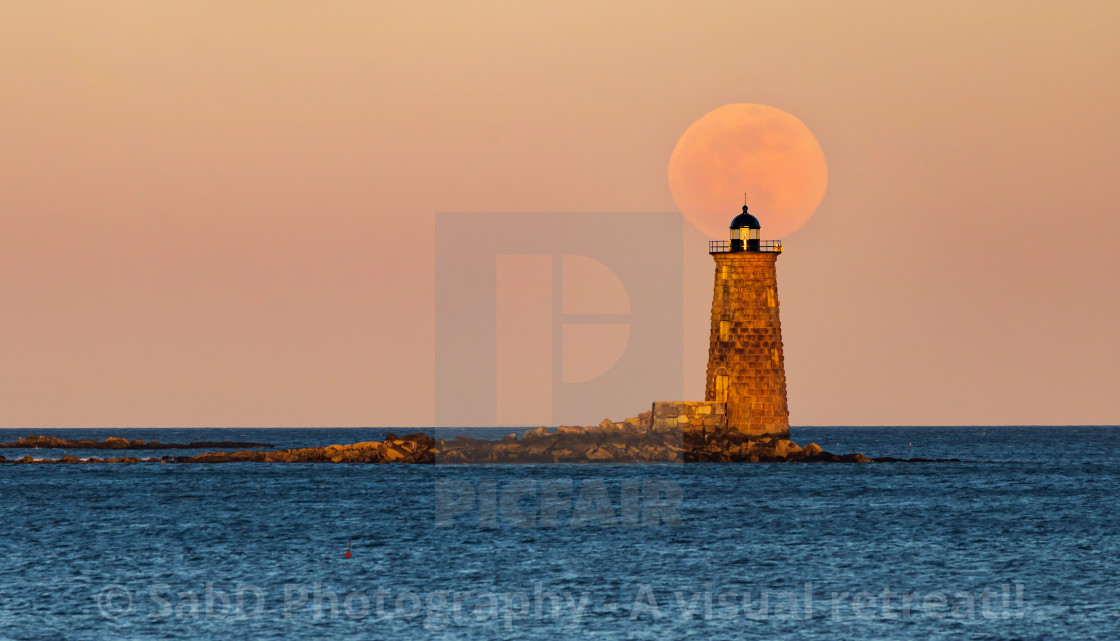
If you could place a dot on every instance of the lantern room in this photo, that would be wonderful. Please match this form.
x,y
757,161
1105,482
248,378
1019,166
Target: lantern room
x,y
745,233
745,237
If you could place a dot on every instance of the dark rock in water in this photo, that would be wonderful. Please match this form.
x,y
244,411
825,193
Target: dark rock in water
x,y
632,441
117,443
413,448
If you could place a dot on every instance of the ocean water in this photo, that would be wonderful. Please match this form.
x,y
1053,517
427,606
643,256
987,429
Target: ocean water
x,y
1020,540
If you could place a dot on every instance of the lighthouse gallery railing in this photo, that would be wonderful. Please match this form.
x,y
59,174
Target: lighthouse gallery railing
x,y
724,246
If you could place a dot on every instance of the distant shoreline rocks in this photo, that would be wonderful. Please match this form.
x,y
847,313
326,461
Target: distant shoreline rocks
x,y
608,442
34,442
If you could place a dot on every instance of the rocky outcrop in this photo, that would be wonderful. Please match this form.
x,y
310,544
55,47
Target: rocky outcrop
x,y
734,447
635,440
72,459
414,448
116,443
607,442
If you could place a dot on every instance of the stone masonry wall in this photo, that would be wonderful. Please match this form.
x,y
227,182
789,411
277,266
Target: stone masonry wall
x,y
689,415
746,366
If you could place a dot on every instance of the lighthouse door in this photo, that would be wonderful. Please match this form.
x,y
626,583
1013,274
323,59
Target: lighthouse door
x,y
721,388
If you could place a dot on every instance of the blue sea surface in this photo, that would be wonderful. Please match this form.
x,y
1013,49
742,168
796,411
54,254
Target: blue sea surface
x,y
1019,540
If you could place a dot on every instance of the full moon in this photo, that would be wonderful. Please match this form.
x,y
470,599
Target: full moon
x,y
760,150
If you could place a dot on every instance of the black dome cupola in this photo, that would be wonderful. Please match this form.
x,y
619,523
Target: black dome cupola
x,y
745,221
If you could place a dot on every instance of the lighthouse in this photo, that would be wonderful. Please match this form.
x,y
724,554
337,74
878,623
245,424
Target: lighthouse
x,y
746,367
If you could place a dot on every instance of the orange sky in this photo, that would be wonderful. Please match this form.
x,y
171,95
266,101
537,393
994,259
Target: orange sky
x,y
221,214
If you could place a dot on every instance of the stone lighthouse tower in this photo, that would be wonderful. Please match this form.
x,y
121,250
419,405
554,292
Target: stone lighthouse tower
x,y
746,368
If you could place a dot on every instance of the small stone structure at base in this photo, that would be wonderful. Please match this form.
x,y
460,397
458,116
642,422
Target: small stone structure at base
x,y
705,416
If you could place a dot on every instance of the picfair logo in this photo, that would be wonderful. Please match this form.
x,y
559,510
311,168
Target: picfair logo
x,y
547,318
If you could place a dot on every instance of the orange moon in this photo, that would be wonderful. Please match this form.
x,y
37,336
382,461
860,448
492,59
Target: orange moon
x,y
760,150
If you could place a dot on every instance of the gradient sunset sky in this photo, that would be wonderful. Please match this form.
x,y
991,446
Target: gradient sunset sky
x,y
221,213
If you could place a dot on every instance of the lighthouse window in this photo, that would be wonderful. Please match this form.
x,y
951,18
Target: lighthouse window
x,y
724,271
724,330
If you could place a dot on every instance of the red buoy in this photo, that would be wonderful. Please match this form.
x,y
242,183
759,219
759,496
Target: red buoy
x,y
351,544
